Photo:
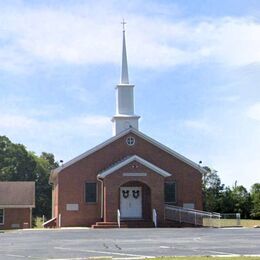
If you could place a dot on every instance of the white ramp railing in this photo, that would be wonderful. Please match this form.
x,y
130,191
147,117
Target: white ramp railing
x,y
118,218
192,216
50,223
154,217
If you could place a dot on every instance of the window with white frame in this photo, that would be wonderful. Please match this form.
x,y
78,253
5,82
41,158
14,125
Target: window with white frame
x,y
130,140
1,216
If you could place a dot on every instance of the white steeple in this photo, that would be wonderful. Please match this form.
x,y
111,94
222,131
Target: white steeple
x,y
125,117
124,72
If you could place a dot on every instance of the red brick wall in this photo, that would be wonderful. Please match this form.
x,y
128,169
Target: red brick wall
x,y
55,197
72,180
19,216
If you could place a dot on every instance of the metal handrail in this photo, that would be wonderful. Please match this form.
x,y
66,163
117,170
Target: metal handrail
x,y
192,216
155,217
199,212
118,218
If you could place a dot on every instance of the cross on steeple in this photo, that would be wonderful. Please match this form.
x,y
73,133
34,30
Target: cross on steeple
x,y
123,23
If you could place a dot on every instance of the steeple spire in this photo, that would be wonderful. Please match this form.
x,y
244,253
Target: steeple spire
x,y
125,117
124,73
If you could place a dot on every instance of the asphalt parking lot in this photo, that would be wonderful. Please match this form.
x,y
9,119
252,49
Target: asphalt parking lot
x,y
127,243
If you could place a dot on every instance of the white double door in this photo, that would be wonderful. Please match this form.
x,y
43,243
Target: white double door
x,y
131,202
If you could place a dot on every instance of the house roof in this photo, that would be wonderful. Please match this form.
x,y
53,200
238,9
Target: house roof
x,y
114,138
130,159
18,194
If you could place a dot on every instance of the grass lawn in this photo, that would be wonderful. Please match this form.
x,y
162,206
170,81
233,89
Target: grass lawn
x,y
249,223
206,258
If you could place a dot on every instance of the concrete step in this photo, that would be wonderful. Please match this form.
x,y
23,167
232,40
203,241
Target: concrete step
x,y
138,223
104,226
107,225
125,224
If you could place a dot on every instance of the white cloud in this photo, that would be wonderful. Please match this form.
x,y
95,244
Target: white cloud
x,y
82,125
253,111
197,125
238,41
238,164
79,35
229,99
56,135
81,93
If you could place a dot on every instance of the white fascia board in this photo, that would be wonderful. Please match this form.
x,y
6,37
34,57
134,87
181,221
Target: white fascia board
x,y
138,133
170,151
87,153
137,159
17,206
124,85
125,116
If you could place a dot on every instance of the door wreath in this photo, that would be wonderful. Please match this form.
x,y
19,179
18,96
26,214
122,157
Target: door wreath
x,y
125,193
136,194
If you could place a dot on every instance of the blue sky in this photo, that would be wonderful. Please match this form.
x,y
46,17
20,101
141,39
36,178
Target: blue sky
x,y
195,65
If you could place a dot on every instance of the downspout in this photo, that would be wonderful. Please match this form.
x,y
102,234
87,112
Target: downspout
x,y
101,197
30,218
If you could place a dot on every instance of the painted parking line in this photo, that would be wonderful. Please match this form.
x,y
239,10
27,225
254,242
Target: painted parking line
x,y
22,256
139,258
102,252
101,257
132,258
78,258
220,253
18,256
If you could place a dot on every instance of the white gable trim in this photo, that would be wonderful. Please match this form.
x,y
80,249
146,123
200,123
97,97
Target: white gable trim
x,y
17,206
114,138
87,153
137,159
170,151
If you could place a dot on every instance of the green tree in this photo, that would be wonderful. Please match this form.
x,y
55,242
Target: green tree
x,y
44,164
212,190
236,200
255,195
242,201
18,164
227,203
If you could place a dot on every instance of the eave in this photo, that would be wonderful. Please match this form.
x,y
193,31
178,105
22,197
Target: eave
x,y
132,159
114,138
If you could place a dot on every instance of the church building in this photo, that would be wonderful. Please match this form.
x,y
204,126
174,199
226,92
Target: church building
x,y
126,180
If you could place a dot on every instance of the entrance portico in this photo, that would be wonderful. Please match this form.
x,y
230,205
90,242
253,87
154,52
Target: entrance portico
x,y
135,187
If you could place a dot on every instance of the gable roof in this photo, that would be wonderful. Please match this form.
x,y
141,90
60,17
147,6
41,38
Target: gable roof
x,y
114,138
130,159
18,194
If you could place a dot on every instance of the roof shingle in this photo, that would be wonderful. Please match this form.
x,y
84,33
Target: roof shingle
x,y
17,193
